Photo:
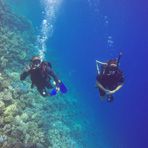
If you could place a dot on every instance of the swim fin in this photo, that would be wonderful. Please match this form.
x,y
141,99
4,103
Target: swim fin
x,y
53,92
63,88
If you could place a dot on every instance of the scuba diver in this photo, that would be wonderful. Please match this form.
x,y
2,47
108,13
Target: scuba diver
x,y
109,78
40,73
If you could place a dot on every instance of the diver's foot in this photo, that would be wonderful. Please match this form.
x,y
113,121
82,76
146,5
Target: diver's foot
x,y
110,98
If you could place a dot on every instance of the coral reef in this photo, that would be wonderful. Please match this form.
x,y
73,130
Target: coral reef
x,y
26,119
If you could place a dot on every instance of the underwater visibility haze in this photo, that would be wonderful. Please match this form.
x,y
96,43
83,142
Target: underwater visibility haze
x,y
72,35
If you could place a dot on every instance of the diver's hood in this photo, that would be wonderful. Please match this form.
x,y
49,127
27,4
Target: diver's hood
x,y
36,61
36,58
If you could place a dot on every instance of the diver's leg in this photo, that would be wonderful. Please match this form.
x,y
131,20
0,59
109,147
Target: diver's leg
x,y
48,85
102,94
42,91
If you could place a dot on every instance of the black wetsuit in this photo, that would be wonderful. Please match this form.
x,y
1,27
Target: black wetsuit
x,y
40,77
110,81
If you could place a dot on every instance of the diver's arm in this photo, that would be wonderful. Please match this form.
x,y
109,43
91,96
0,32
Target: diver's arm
x,y
120,84
25,73
97,65
101,87
115,90
102,63
53,75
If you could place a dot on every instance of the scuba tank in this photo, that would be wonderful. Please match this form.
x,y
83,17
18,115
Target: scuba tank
x,y
119,57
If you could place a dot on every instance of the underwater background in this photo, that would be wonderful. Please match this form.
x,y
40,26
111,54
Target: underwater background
x,y
72,34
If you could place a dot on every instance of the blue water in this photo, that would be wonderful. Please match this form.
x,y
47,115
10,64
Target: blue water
x,y
80,39
82,31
